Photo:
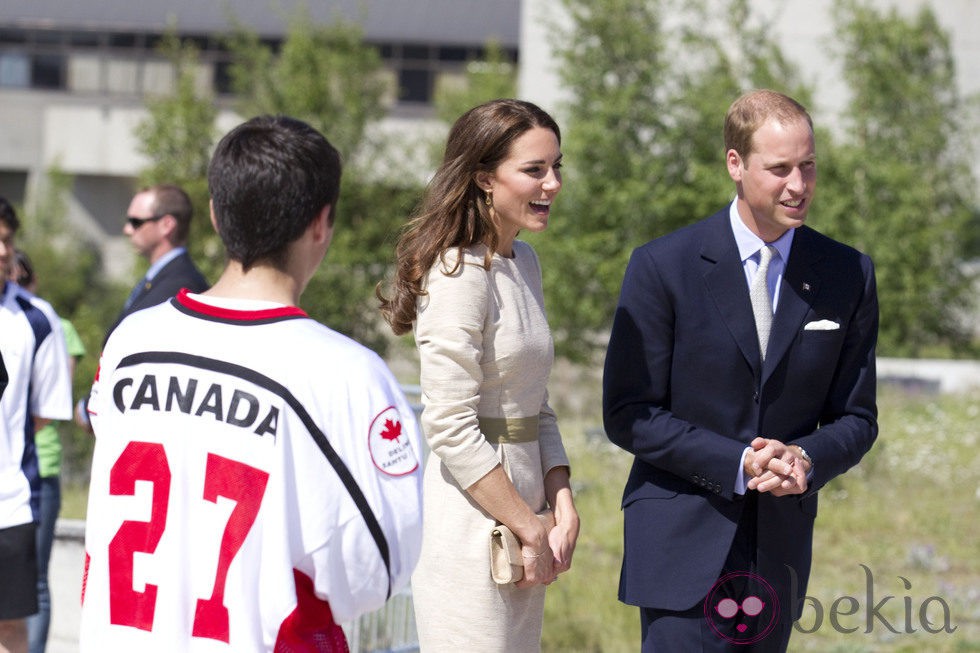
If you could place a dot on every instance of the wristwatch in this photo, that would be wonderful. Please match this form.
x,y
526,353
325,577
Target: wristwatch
x,y
804,455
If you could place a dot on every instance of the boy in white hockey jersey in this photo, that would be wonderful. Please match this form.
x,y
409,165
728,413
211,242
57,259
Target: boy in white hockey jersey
x,y
256,475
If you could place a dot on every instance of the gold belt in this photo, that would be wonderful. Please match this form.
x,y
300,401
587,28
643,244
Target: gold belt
x,y
509,430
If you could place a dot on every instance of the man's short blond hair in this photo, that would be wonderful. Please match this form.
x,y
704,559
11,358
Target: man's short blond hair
x,y
752,110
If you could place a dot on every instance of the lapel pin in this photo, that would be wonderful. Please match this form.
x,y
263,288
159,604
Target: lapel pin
x,y
806,287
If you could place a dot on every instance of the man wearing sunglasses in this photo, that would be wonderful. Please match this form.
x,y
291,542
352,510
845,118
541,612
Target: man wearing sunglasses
x,y
158,224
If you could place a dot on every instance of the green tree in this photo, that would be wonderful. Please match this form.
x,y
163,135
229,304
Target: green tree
x,y
900,187
328,77
177,136
323,74
643,140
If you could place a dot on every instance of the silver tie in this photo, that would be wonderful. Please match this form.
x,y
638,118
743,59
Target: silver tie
x,y
761,300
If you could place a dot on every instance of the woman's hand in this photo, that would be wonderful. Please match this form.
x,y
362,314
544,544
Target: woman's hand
x,y
539,567
562,538
497,495
564,535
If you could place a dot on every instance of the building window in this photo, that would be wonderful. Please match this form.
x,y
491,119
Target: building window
x,y
127,63
453,54
223,83
415,52
84,39
48,71
15,70
415,85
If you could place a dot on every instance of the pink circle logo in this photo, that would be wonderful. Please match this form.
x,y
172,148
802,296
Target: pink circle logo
x,y
742,608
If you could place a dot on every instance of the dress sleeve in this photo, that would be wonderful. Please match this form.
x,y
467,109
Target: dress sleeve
x,y
449,333
552,449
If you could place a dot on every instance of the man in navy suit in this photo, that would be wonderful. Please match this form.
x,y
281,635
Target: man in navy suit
x,y
734,429
158,224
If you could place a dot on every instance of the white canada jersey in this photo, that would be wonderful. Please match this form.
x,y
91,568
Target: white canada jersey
x,y
34,353
255,478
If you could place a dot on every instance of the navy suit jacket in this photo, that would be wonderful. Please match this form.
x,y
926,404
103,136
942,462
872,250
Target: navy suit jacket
x,y
178,273
685,391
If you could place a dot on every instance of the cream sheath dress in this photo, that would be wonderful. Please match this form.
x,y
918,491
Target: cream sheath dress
x,y
486,353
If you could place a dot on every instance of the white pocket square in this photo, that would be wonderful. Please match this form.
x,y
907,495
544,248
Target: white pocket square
x,y
821,325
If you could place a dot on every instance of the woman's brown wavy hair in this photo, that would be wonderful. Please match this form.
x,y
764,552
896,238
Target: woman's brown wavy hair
x,y
453,212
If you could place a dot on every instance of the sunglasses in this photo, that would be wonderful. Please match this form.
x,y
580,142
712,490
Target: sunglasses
x,y
136,223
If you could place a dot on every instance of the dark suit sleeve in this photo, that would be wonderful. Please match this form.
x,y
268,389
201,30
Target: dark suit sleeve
x,y
848,423
640,361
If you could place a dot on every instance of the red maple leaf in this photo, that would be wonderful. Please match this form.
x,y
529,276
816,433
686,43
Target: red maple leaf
x,y
391,430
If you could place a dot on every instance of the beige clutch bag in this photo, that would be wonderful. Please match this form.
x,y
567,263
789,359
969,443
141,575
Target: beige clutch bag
x,y
506,562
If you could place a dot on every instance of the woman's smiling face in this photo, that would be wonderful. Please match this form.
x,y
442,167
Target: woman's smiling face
x,y
524,185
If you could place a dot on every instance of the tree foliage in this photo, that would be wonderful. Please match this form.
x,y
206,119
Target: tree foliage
x,y
322,74
643,144
177,136
650,81
328,77
900,187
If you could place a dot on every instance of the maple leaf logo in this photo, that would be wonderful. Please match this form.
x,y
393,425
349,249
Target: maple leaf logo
x,y
391,430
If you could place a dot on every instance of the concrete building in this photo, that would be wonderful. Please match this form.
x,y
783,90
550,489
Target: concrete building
x,y
75,76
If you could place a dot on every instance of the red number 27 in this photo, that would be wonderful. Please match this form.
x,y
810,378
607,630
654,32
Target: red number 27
x,y
147,461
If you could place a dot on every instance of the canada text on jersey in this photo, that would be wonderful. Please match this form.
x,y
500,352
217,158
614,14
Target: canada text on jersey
x,y
241,409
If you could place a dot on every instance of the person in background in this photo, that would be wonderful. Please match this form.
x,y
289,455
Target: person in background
x,y
472,291
158,224
39,390
47,442
740,374
278,460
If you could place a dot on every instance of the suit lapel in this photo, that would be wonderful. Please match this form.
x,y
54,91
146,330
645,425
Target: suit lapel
x,y
724,279
801,282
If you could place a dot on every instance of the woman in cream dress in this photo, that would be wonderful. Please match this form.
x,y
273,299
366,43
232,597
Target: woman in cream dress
x,y
472,293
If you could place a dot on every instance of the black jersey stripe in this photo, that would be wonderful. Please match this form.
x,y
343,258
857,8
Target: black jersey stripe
x,y
250,375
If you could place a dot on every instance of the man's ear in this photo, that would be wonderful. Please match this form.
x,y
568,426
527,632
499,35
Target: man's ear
x,y
321,225
170,225
214,220
734,162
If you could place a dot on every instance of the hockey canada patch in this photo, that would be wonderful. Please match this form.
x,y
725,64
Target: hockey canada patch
x,y
391,449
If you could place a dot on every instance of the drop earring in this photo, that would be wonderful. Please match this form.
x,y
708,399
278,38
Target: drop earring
x,y
489,199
